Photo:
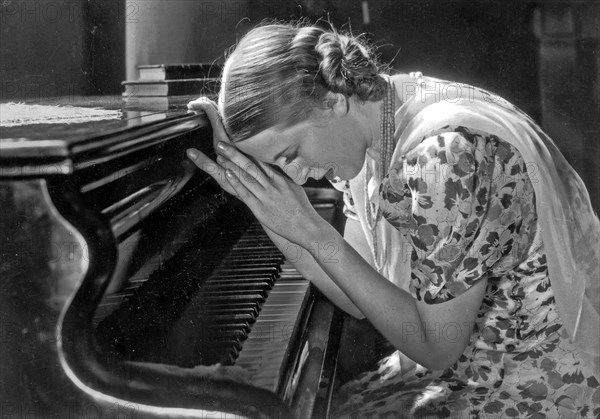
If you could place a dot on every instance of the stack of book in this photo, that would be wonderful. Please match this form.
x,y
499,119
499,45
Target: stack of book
x,y
163,80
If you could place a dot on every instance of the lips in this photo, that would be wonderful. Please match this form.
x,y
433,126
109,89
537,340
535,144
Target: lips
x,y
329,175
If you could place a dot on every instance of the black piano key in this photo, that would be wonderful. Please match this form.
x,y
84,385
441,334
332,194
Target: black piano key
x,y
240,305
220,308
246,327
258,264
249,269
255,262
254,259
243,313
209,291
253,298
231,284
266,275
218,285
226,297
226,335
238,280
225,318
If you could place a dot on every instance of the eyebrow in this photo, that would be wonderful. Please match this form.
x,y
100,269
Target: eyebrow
x,y
281,153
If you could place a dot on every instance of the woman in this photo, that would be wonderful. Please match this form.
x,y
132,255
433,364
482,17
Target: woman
x,y
470,243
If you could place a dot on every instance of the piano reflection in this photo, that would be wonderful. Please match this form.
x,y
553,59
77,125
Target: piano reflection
x,y
132,286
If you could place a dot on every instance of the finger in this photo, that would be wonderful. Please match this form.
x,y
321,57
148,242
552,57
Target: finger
x,y
207,165
196,104
248,175
248,169
272,173
240,188
275,174
200,103
212,113
213,169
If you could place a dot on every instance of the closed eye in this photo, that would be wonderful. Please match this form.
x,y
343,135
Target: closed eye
x,y
290,158
281,172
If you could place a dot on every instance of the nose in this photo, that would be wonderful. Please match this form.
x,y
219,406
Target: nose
x,y
300,179
296,173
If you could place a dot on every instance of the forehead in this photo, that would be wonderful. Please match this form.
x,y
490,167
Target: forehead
x,y
266,145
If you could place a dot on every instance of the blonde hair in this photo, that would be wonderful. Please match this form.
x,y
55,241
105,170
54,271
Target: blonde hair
x,y
279,73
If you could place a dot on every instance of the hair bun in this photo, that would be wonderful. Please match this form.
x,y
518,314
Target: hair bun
x,y
346,66
282,73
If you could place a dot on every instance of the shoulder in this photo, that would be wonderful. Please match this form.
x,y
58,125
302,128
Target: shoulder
x,y
452,169
451,152
403,83
407,85
458,147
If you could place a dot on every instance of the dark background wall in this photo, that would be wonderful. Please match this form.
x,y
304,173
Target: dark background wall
x,y
60,48
182,31
490,44
543,56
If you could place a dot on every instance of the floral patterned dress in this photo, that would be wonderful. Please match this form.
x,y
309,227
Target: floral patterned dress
x,y
466,201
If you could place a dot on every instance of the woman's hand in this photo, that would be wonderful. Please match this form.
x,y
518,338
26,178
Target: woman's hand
x,y
217,172
279,204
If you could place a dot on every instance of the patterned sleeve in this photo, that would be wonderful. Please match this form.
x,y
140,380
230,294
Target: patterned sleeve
x,y
453,196
349,207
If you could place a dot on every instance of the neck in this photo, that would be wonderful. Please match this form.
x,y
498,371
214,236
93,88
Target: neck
x,y
371,111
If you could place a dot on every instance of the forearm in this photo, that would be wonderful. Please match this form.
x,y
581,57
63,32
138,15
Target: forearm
x,y
305,263
390,309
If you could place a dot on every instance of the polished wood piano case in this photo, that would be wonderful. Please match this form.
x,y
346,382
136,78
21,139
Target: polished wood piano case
x,y
131,286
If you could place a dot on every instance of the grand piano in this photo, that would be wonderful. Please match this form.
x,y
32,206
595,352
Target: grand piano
x,y
132,286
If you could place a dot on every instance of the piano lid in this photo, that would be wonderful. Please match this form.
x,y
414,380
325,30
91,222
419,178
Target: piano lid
x,y
61,148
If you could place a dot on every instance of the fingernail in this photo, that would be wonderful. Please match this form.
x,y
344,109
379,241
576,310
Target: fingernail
x,y
220,159
229,174
222,145
192,154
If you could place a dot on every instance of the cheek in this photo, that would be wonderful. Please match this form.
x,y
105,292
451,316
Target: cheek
x,y
355,165
294,170
326,152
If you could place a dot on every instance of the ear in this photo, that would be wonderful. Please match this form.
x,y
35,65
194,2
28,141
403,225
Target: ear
x,y
338,103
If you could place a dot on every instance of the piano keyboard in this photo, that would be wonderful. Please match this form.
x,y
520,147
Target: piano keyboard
x,y
245,313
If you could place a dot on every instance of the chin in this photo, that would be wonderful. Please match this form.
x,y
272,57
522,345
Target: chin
x,y
350,173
